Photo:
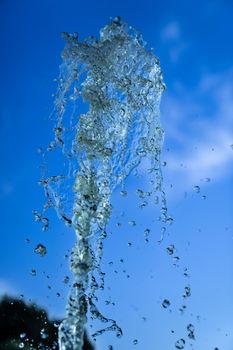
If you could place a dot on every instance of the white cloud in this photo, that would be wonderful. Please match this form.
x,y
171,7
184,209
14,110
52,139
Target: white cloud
x,y
199,126
171,31
171,35
206,161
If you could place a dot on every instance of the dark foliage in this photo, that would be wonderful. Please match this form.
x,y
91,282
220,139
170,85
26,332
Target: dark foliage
x,y
29,324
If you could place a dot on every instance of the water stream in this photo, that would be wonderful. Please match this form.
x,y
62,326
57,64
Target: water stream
x,y
119,81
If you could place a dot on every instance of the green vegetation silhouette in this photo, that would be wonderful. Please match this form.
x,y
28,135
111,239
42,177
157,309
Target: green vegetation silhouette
x,y
28,326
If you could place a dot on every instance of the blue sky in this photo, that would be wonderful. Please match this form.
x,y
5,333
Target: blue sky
x,y
194,43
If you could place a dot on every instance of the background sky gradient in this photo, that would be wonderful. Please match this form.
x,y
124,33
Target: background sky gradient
x,y
193,40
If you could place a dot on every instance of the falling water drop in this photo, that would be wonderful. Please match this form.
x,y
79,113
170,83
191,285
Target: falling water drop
x,y
45,222
132,223
146,232
66,279
170,249
123,193
166,303
33,272
37,215
180,344
191,329
196,189
187,292
140,193
143,204
40,250
43,334
169,220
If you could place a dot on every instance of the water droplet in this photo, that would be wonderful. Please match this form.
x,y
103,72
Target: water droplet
x,y
21,345
33,272
27,240
119,333
22,335
187,292
143,204
123,193
110,347
166,303
182,309
45,224
191,329
140,193
207,179
135,342
129,244
40,250
39,150
203,197
146,232
132,223
176,259
66,279
170,249
169,220
180,344
196,189
43,334
37,215
51,146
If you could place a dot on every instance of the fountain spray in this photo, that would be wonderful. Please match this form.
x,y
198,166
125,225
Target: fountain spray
x,y
120,81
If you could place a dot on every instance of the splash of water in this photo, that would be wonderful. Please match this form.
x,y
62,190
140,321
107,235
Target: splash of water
x,y
121,82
